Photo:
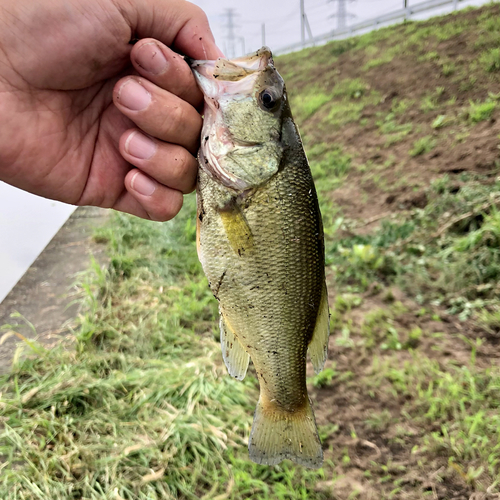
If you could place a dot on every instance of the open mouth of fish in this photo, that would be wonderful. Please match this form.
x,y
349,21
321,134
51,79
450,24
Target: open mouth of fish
x,y
219,80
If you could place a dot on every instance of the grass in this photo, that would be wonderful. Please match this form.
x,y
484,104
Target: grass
x,y
423,145
304,108
491,60
480,111
393,131
143,408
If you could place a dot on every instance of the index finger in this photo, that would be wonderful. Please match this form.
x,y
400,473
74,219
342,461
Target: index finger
x,y
167,69
176,23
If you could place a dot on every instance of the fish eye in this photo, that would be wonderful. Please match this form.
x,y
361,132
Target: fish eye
x,y
268,99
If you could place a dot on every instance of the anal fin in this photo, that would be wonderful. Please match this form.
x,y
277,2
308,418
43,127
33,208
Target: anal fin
x,y
318,346
234,355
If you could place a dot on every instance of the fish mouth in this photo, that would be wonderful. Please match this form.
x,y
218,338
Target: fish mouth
x,y
224,76
219,79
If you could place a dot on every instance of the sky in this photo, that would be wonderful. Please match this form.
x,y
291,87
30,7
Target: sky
x,y
28,222
282,18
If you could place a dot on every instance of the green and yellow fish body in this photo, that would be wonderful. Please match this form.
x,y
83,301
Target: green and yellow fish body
x,y
260,242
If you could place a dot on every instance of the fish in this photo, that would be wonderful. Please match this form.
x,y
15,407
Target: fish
x,y
261,245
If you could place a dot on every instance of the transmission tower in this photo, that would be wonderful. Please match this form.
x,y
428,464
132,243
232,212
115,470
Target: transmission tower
x,y
342,15
231,40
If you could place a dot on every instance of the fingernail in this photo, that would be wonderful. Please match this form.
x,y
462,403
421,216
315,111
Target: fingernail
x,y
140,146
143,184
150,58
134,96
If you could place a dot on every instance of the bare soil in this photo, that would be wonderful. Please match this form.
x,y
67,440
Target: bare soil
x,y
402,184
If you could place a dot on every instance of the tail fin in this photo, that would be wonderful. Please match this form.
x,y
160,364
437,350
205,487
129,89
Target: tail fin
x,y
278,434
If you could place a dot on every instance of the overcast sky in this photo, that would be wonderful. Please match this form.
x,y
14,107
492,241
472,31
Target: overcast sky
x,y
282,17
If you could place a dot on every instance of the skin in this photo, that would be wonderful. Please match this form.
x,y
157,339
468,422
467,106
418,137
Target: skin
x,y
91,119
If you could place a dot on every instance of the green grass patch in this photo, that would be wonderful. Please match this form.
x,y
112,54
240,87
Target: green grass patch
x,y
459,402
351,89
490,60
393,131
305,106
480,111
143,409
423,145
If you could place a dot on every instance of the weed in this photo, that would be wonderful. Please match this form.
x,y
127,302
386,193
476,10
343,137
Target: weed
x,y
352,89
305,107
491,60
469,84
441,121
400,106
330,168
480,111
379,421
448,68
393,131
343,113
324,378
423,145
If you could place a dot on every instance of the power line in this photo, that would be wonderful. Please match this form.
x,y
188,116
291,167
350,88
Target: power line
x,y
231,40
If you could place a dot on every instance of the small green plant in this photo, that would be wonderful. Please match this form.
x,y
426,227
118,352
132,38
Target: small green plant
x,y
324,378
490,319
491,60
353,89
480,111
308,105
448,68
439,121
469,84
379,421
392,342
423,145
364,256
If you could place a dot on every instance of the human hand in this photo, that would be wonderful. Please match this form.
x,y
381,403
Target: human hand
x,y
74,109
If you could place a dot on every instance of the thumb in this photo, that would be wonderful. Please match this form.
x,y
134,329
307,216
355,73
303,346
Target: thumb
x,y
177,23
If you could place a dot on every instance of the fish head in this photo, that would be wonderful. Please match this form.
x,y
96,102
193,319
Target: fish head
x,y
245,99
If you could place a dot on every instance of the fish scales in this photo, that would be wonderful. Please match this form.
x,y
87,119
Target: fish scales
x,y
262,250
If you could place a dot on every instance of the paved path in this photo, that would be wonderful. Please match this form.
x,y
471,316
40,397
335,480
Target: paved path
x,y
44,293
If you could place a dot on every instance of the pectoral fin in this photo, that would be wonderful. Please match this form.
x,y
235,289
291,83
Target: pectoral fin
x,y
237,230
318,347
235,357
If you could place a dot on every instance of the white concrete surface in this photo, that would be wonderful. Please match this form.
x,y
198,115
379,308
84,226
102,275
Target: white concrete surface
x,y
27,224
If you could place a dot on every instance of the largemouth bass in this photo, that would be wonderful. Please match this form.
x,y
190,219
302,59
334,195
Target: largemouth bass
x,y
260,242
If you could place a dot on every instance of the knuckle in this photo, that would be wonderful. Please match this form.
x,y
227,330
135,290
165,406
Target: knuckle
x,y
167,208
199,13
173,122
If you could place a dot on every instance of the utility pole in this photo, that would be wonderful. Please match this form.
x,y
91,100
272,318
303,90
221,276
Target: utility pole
x,y
302,23
341,15
263,34
230,38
